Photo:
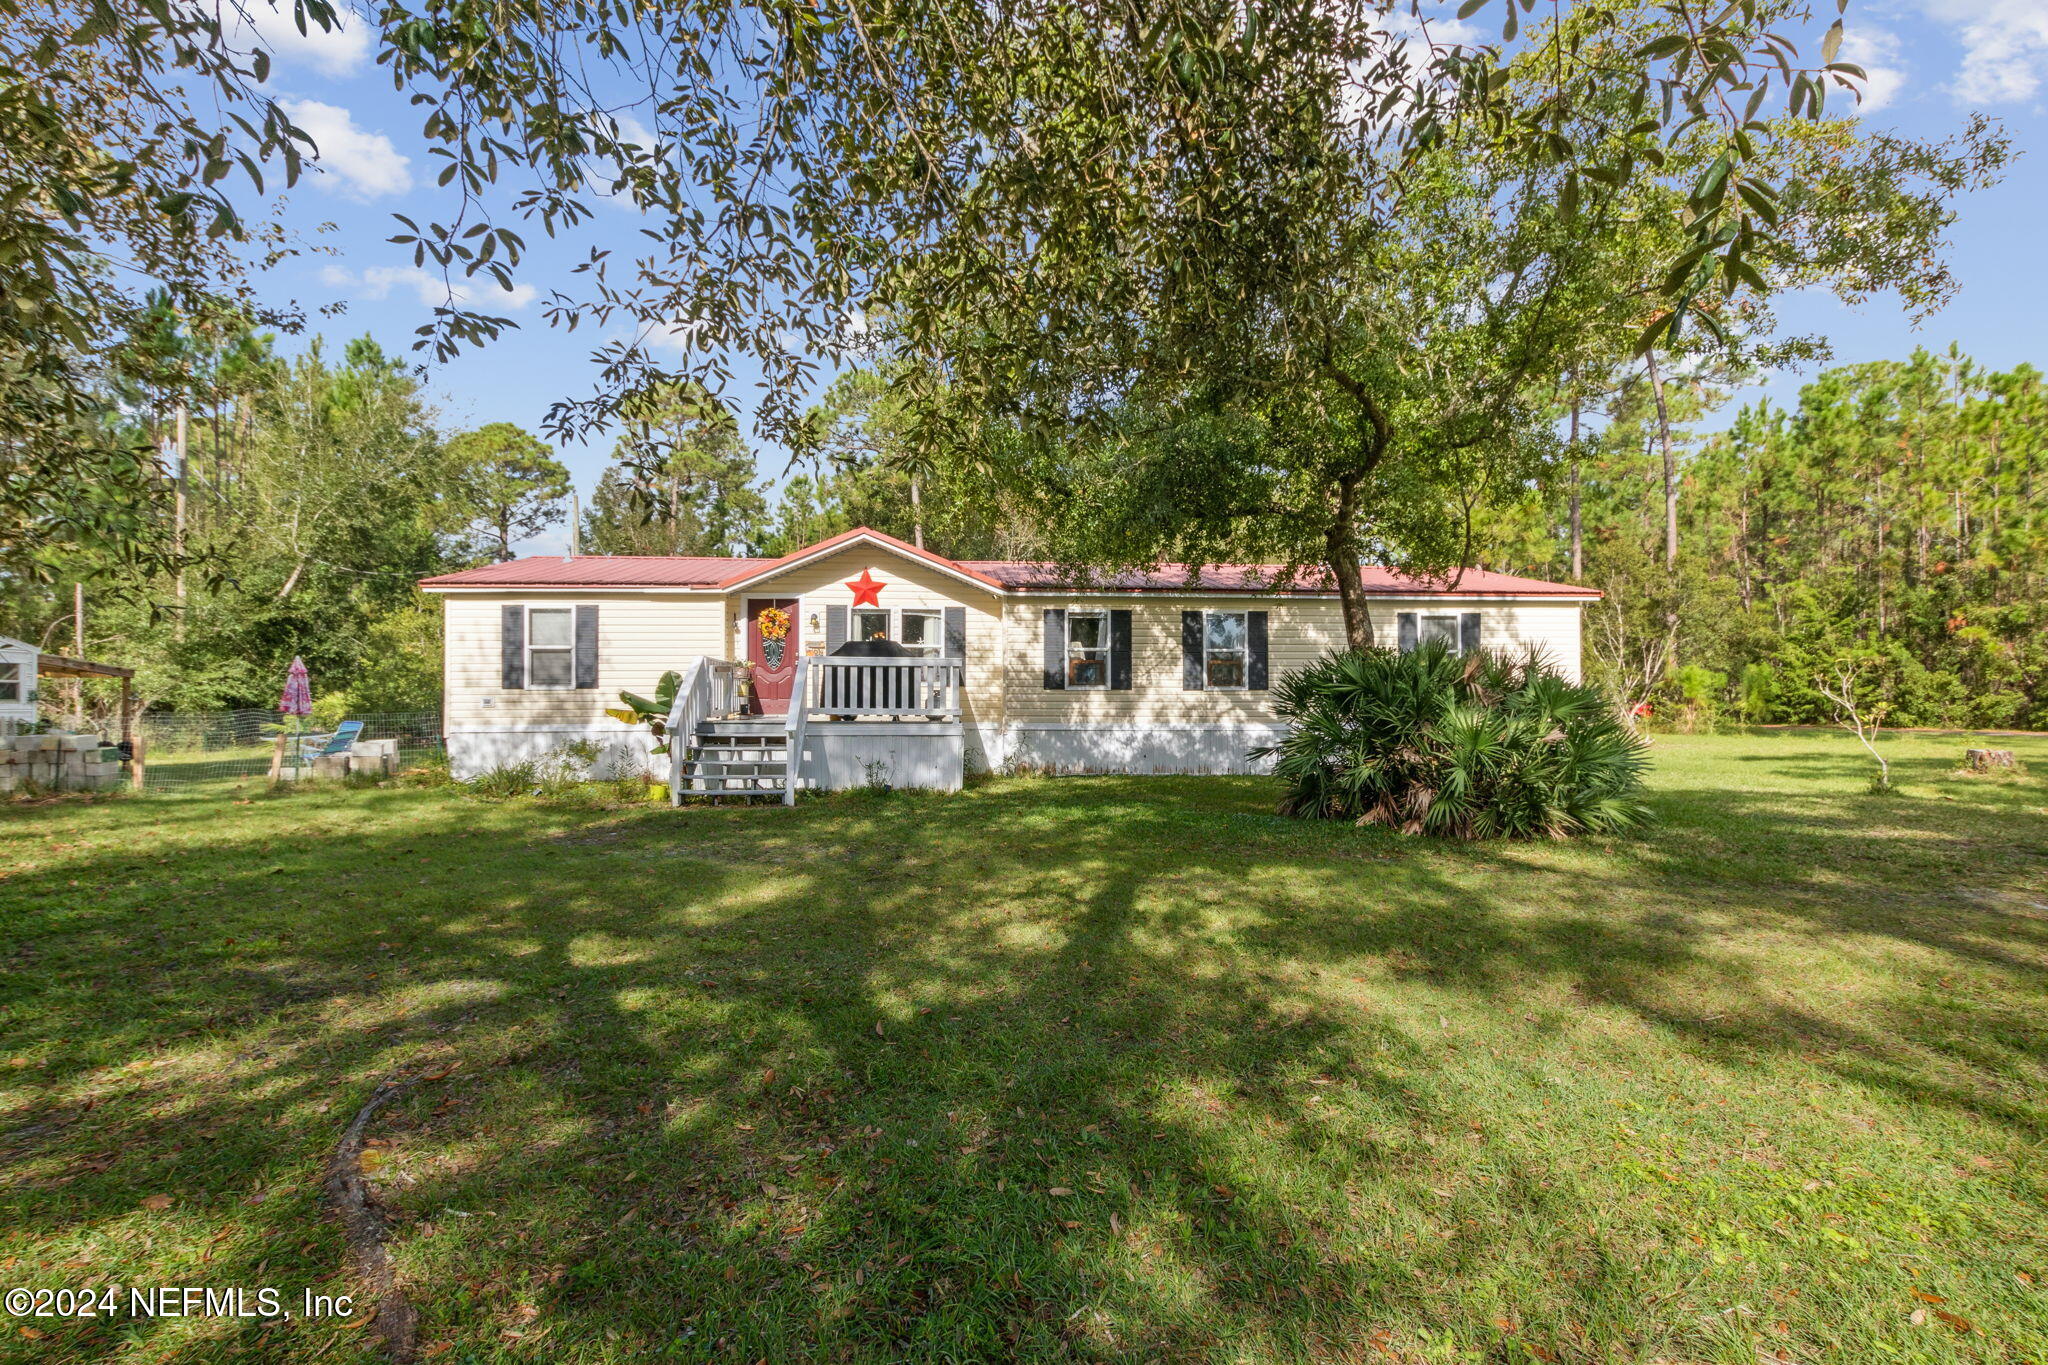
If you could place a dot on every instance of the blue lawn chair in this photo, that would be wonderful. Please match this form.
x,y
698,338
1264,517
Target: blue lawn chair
x,y
340,742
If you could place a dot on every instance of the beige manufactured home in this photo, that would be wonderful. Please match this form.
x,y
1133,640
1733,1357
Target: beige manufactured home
x,y
996,662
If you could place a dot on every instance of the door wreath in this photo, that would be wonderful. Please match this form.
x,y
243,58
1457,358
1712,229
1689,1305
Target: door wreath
x,y
773,623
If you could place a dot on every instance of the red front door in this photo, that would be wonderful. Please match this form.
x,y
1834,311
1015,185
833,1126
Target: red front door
x,y
774,660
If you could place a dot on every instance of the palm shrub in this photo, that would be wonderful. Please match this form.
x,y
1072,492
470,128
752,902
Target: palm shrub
x,y
1476,746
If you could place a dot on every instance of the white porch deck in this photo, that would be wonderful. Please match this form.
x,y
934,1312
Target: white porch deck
x,y
851,722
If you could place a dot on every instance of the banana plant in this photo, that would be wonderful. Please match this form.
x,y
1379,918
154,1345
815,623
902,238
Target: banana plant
x,y
639,710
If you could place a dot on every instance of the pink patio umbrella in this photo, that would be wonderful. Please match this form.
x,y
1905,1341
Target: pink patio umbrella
x,y
296,702
298,690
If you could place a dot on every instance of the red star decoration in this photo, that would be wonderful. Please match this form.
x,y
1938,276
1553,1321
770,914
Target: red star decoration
x,y
866,591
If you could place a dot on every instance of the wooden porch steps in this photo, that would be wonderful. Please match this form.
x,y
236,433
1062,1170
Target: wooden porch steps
x,y
743,756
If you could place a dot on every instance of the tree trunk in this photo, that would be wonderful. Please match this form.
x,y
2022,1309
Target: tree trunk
x,y
916,515
1670,466
1578,537
1340,542
178,523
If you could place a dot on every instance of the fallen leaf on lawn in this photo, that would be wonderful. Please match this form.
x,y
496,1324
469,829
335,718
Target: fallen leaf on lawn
x,y
157,1202
768,1076
1926,1297
1960,1324
2023,1277
371,1160
1070,1225
1115,1224
32,1334
878,1028
1504,1324
1059,1189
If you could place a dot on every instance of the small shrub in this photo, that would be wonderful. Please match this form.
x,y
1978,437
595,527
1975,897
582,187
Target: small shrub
x,y
429,770
505,780
1699,691
1469,747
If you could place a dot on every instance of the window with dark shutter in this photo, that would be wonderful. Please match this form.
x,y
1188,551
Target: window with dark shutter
x,y
512,647
586,647
956,632
1468,632
1120,651
1055,649
1191,651
1407,631
835,626
1255,651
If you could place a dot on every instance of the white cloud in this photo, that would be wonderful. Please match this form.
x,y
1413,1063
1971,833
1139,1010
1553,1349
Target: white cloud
x,y
364,164
334,52
1413,40
2005,47
379,280
1877,52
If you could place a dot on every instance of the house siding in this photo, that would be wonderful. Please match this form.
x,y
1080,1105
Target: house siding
x,y
639,637
906,583
1010,716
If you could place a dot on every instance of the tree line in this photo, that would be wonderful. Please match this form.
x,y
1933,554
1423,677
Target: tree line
x,y
1891,521
291,503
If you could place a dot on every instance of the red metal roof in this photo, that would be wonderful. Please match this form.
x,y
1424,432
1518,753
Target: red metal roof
x,y
1031,576
711,572
600,571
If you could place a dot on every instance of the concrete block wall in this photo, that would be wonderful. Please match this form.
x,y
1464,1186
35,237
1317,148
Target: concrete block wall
x,y
60,763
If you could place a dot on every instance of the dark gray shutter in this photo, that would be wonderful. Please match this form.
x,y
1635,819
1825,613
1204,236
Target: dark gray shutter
x,y
512,647
956,632
1120,651
1055,649
1191,651
1406,631
586,646
1255,650
1468,632
835,627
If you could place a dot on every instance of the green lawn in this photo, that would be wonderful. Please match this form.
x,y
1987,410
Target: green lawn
x,y
1091,1069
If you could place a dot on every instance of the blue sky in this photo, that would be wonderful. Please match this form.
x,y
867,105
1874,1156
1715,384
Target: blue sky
x,y
1932,62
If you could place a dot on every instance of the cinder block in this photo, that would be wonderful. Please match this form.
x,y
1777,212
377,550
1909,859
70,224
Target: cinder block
x,y
76,744
34,744
102,769
331,765
108,784
9,779
376,765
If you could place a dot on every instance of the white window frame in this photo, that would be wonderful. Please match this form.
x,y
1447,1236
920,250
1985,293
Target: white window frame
x,y
10,684
532,649
853,626
937,634
1104,650
1243,651
1455,642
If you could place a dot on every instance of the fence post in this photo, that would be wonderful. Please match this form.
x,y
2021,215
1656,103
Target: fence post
x,y
277,758
135,761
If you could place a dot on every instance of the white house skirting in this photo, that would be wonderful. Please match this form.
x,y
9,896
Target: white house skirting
x,y
1139,749
621,751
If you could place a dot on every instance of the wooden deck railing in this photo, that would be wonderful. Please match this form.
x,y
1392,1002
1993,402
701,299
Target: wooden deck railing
x,y
922,688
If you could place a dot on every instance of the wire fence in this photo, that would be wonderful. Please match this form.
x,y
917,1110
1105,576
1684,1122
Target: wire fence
x,y
229,749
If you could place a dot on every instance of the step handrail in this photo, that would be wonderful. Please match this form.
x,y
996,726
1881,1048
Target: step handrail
x,y
709,688
798,721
